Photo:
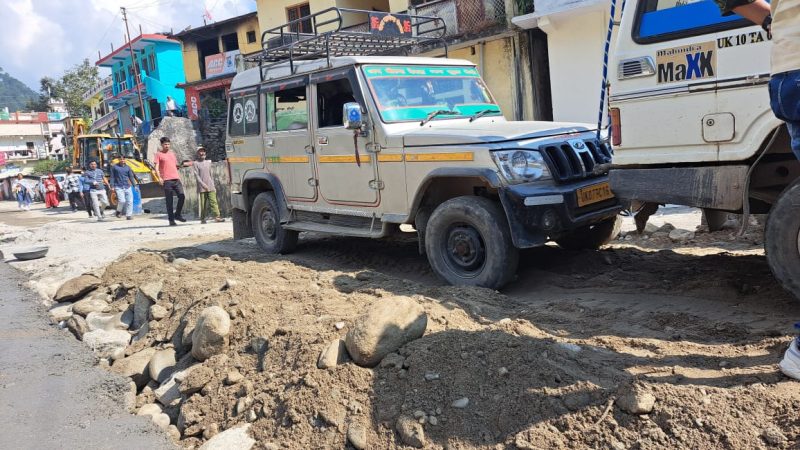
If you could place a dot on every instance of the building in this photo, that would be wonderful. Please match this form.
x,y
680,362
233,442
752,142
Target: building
x,y
210,53
103,119
152,74
29,137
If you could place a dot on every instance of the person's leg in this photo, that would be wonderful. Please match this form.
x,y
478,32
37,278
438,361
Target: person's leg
x,y
87,202
202,197
120,201
212,199
784,91
168,191
95,195
181,199
104,203
129,202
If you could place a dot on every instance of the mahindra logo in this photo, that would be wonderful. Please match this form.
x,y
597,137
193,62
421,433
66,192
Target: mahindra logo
x,y
577,144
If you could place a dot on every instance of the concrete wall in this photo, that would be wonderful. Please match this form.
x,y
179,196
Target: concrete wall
x,y
219,171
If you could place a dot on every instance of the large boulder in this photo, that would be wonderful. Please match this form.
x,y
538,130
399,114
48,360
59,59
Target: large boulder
x,y
95,302
387,325
60,312
76,288
77,326
236,438
107,343
146,296
162,364
135,366
210,335
182,135
108,321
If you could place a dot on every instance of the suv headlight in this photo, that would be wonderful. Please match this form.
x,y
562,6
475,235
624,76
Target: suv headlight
x,y
521,166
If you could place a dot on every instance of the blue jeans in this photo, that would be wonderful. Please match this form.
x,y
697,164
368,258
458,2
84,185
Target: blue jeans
x,y
125,200
784,93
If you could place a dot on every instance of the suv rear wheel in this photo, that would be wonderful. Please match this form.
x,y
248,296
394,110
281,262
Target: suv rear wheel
x,y
782,239
265,219
591,237
468,243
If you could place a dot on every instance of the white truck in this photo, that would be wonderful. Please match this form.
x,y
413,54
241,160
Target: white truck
x,y
692,124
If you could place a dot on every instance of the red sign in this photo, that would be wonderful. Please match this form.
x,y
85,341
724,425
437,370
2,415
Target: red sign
x,y
192,103
389,24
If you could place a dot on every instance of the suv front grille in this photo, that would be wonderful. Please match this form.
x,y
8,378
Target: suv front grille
x,y
568,163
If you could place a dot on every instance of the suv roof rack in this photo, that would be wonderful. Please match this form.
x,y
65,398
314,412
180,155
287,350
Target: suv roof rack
x,y
323,35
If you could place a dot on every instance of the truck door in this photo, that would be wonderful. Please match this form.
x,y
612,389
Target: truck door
x,y
344,178
667,65
244,137
287,142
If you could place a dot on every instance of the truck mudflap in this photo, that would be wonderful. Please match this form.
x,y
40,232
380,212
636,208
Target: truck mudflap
x,y
541,213
703,187
242,228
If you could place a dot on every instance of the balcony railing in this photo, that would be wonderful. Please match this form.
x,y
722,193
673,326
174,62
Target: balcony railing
x,y
464,17
98,88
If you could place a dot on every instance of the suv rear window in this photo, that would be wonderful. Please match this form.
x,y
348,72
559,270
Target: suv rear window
x,y
664,20
243,117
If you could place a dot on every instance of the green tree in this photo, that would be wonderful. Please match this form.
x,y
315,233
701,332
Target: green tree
x,y
73,84
46,87
49,165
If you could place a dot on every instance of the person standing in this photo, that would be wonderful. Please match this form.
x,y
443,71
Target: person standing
x,y
86,188
122,181
52,191
97,190
166,164
23,194
206,190
172,107
72,186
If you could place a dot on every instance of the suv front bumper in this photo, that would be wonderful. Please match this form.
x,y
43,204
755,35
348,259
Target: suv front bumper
x,y
538,213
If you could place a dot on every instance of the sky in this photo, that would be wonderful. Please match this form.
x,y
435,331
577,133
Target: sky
x,y
45,37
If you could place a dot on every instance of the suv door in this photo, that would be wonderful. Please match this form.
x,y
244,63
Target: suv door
x,y
344,178
244,139
668,66
287,140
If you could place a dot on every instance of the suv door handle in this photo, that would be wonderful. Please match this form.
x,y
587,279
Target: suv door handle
x,y
269,142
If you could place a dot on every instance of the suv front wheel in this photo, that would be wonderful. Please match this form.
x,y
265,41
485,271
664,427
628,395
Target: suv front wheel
x,y
468,243
270,235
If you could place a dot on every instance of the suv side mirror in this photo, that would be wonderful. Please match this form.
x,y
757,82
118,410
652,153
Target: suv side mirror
x,y
353,117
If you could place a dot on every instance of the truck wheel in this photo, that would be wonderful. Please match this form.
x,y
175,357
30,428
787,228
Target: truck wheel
x,y
270,235
468,243
782,239
591,237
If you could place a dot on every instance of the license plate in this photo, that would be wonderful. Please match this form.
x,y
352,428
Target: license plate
x,y
594,194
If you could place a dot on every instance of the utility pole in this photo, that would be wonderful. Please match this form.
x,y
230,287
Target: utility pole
x,y
136,75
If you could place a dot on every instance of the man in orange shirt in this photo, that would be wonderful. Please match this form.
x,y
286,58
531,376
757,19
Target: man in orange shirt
x,y
167,166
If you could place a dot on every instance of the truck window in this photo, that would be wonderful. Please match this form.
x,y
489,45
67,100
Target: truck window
x,y
664,20
331,97
243,118
291,109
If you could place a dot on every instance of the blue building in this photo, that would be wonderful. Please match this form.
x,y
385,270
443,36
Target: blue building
x,y
160,64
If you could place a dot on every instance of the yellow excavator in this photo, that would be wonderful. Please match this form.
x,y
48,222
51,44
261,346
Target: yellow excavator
x,y
88,147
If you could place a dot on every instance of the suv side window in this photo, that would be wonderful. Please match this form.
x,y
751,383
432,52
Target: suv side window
x,y
664,20
243,116
290,107
331,97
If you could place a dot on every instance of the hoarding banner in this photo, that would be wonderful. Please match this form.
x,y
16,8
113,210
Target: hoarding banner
x,y
390,24
221,64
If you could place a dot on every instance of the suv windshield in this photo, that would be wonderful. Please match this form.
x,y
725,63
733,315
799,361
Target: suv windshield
x,y
406,93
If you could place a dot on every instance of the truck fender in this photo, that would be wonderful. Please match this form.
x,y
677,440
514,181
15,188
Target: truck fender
x,y
274,185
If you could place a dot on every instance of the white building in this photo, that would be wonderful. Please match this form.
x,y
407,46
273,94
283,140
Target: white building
x,y
32,136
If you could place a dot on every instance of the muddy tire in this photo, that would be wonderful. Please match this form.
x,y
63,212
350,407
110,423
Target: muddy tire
x,y
468,243
591,237
267,229
782,239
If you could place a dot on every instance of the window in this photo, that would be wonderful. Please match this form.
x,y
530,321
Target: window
x,y
297,12
152,59
243,117
230,42
251,37
331,97
662,20
290,109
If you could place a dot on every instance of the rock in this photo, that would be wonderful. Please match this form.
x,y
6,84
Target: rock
x,y
76,288
681,236
229,284
242,405
393,361
77,326
146,297
433,420
162,364
502,371
106,343
60,312
211,431
169,394
387,325
339,325
195,380
174,433
210,335
649,228
108,321
156,415
666,228
410,431
773,436
333,355
236,438
233,377
636,402
97,302
158,312
357,436
431,376
135,366
460,403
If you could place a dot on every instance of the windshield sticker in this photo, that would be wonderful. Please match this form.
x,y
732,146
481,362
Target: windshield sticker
x,y
689,62
250,111
412,71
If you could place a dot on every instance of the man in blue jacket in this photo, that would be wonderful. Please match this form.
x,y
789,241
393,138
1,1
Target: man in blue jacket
x,y
122,181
